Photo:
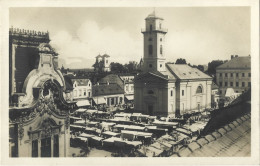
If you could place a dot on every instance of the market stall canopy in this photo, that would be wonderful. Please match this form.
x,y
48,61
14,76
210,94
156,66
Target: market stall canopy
x,y
80,122
92,111
75,118
99,100
81,110
137,133
129,97
86,135
83,138
82,103
111,133
77,126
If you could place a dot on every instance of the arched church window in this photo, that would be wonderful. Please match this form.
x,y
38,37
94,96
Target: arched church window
x,y
150,92
150,49
160,26
199,89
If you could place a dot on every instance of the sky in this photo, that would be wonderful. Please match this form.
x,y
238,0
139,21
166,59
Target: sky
x,y
197,34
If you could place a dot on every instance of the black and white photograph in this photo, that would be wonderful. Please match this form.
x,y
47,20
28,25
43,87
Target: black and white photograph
x,y
131,82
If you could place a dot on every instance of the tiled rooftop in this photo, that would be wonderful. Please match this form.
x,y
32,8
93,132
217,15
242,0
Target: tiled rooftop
x,y
233,140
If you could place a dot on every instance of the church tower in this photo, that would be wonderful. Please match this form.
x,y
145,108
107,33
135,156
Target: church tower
x,y
154,43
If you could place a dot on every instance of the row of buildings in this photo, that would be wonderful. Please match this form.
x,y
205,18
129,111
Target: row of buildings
x,y
111,90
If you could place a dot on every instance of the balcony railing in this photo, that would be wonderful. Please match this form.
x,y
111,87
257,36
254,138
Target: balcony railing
x,y
157,29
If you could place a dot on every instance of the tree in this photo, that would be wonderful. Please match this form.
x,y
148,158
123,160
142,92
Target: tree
x,y
117,67
200,67
213,65
98,66
180,61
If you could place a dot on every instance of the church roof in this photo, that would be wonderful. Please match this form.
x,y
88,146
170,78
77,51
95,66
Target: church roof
x,y
237,62
183,71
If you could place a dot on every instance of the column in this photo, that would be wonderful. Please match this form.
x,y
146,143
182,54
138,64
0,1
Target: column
x,y
39,147
52,146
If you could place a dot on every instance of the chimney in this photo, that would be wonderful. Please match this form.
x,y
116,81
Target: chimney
x,y
232,56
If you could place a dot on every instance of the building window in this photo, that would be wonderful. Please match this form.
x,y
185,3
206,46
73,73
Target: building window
x,y
150,92
161,49
249,74
80,92
237,74
75,93
150,39
126,87
106,61
151,27
249,84
231,74
171,92
226,74
88,84
220,84
150,49
243,74
237,84
160,39
160,65
226,84
182,92
231,84
150,65
243,84
220,91
199,89
88,94
160,25
220,74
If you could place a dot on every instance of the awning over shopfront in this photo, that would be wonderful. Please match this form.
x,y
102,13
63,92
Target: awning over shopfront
x,y
129,97
99,100
82,103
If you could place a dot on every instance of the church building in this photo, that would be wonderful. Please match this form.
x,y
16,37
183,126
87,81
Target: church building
x,y
167,89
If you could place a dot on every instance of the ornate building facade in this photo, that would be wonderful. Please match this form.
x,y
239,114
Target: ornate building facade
x,y
39,98
167,89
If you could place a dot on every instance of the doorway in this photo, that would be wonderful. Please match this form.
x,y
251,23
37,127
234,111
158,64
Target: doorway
x,y
150,110
46,147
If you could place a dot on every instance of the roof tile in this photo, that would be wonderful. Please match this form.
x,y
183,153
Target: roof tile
x,y
193,146
226,127
216,134
222,131
184,152
202,141
209,138
235,123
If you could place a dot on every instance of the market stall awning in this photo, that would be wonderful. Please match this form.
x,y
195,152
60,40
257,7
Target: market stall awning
x,y
82,103
81,110
129,97
99,100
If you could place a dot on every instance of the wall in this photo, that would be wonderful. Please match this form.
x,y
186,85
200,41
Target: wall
x,y
190,100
